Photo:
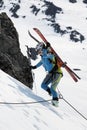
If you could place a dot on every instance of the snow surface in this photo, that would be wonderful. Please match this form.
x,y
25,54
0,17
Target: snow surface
x,y
42,115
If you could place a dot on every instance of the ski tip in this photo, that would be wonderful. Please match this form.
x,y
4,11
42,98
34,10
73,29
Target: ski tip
x,y
34,28
76,80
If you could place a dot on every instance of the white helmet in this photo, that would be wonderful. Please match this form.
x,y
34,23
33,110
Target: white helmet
x,y
39,46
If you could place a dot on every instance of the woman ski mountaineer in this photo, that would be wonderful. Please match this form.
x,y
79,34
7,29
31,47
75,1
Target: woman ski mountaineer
x,y
48,60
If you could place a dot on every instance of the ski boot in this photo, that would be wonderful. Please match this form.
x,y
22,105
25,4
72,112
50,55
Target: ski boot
x,y
55,102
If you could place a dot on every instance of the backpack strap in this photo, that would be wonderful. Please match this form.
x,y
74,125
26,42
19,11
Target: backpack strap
x,y
54,61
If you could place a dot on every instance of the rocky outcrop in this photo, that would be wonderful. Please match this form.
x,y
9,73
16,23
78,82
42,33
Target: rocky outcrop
x,y
73,1
12,60
50,12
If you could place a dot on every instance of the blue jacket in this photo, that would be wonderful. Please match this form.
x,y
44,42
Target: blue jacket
x,y
46,59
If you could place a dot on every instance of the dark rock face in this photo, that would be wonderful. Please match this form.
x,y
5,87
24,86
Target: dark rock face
x,y
1,3
85,1
12,60
73,1
50,12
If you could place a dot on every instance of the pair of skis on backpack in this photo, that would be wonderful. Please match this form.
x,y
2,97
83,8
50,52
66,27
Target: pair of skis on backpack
x,y
60,63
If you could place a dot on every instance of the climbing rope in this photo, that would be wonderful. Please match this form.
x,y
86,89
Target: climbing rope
x,y
61,97
31,102
74,109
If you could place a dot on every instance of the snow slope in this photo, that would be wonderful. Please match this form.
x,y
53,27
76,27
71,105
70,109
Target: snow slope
x,y
32,115
42,115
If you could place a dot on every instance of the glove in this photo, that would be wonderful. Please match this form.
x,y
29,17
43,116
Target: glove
x,y
48,44
64,64
33,67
